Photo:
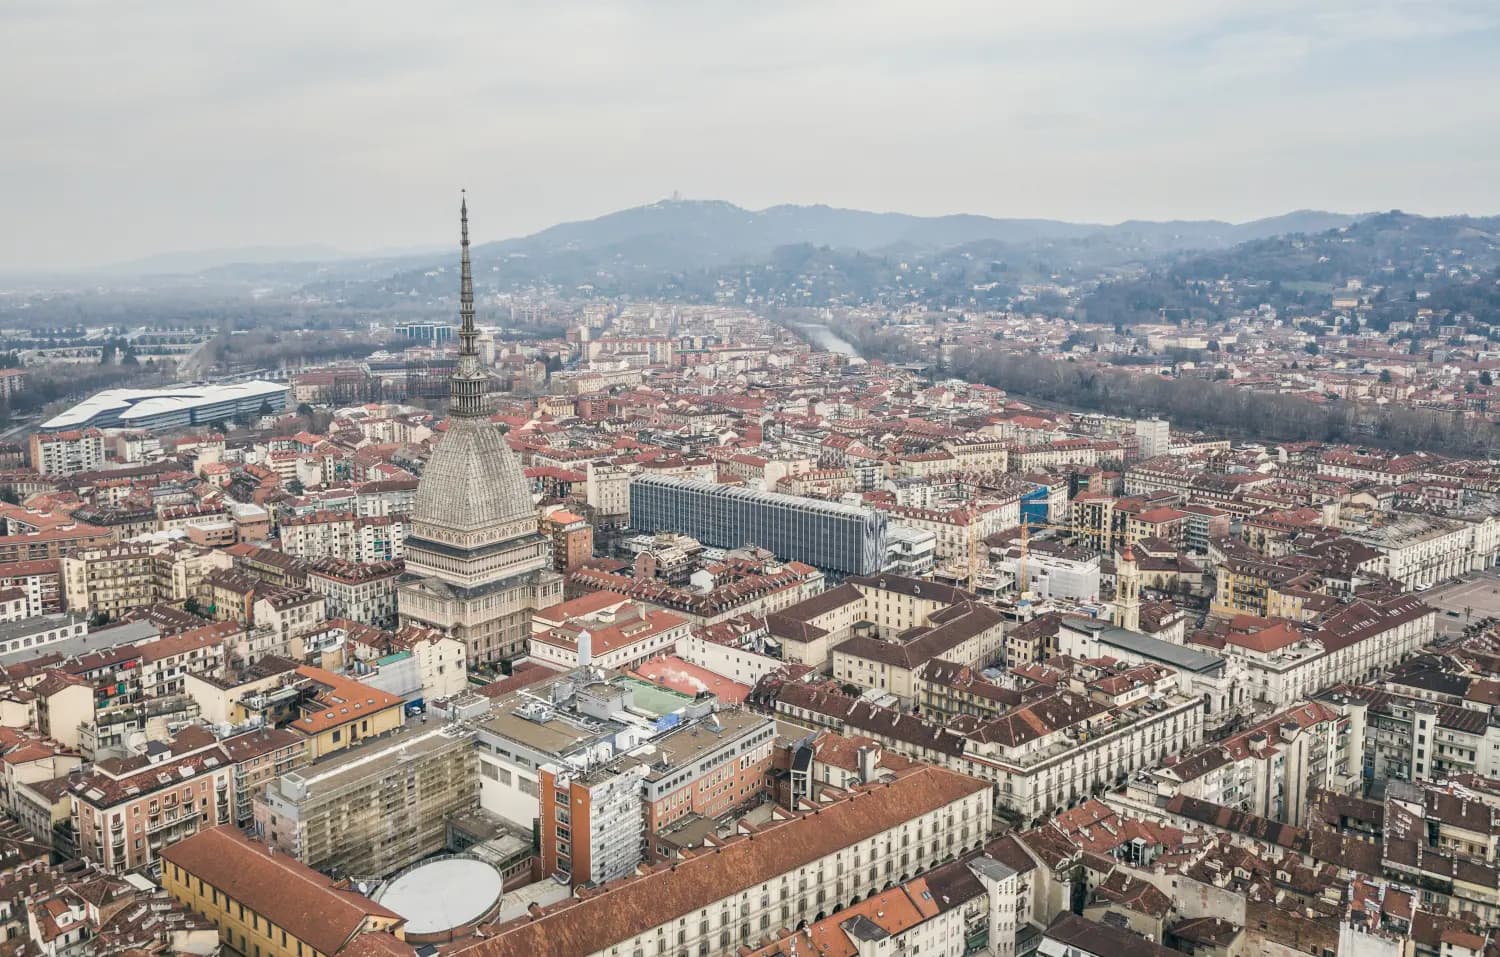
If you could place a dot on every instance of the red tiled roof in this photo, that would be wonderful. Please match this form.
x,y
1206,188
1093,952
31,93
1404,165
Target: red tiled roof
x,y
289,894
621,910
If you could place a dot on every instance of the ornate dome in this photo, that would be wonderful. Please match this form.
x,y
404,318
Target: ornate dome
x,y
472,493
473,482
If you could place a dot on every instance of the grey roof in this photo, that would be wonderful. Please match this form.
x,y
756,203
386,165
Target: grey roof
x,y
1177,656
10,630
865,929
106,638
473,483
991,868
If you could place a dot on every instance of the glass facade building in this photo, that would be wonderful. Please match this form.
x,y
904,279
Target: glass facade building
x,y
836,538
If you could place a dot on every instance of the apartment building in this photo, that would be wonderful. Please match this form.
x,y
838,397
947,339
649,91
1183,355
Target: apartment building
x,y
1282,662
386,497
1409,738
572,539
749,588
592,825
978,454
607,491
286,616
344,535
1203,524
165,661
619,637
1060,453
126,810
202,514
966,633
1041,756
375,808
1161,522
782,875
1153,437
598,824
1092,521
895,603
68,452
110,581
51,542
269,565
261,757
951,911
1272,768
114,579
1443,839
266,903
739,650
63,706
12,381
39,582
267,690
809,630
339,712
1246,583
180,568
1422,550
442,660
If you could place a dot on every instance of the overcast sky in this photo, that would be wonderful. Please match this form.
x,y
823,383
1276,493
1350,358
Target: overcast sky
x,y
132,128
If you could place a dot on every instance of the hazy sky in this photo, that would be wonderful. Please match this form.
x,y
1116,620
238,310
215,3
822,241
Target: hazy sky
x,y
136,127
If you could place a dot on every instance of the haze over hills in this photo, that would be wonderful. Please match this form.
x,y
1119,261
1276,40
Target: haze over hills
x,y
705,231
192,261
679,248
690,234
712,251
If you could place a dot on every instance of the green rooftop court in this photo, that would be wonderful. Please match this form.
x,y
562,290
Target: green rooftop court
x,y
652,698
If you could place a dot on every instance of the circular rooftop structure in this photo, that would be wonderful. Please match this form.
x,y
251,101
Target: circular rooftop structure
x,y
444,897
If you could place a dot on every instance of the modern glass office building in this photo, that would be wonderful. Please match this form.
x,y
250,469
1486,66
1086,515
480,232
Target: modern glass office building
x,y
839,539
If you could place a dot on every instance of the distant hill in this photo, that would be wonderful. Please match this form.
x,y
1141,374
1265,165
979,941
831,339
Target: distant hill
x,y
1450,260
690,248
203,259
709,249
698,232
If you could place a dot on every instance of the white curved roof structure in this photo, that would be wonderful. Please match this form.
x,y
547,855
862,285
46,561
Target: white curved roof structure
x,y
173,405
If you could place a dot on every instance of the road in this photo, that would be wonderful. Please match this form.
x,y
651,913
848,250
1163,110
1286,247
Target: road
x,y
1469,601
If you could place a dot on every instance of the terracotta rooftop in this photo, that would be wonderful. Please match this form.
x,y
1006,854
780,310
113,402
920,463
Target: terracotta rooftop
x,y
343,701
620,911
279,888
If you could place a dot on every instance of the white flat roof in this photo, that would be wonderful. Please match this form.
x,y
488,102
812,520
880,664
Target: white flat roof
x,y
443,894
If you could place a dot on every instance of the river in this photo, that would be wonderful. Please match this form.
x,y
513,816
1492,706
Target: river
x,y
825,338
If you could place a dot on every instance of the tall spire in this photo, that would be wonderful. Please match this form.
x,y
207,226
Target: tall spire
x,y
468,388
466,333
